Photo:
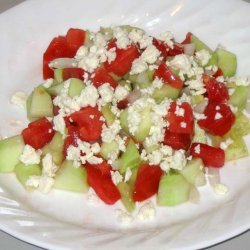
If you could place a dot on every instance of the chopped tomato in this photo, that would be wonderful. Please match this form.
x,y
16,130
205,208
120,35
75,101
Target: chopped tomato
x,y
71,139
75,38
180,118
73,73
99,178
211,156
38,133
177,49
219,72
163,72
123,104
88,122
219,119
56,49
216,91
147,182
187,40
102,76
124,59
177,140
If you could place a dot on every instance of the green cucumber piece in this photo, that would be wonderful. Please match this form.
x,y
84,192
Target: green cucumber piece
x,y
41,104
199,45
166,91
10,151
75,87
227,61
58,75
55,89
126,196
130,158
28,105
199,134
196,99
174,189
239,97
108,115
71,178
23,172
124,120
107,32
236,150
107,148
194,172
213,60
131,181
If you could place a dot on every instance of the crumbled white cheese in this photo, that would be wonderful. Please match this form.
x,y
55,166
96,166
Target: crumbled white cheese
x,y
240,81
138,66
145,41
109,133
124,217
135,35
203,56
220,79
183,124
217,107
45,184
106,92
157,83
59,124
116,177
134,119
199,116
19,99
128,175
122,38
147,212
181,62
196,86
217,116
197,149
121,92
220,189
150,54
73,154
167,37
179,111
88,97
30,155
49,167
48,83
225,144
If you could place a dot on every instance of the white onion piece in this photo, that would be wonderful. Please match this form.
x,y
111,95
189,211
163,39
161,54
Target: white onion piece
x,y
134,95
213,175
60,63
200,180
189,49
186,91
194,195
199,108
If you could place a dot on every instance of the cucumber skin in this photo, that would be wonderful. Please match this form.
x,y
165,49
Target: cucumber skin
x,y
107,148
239,97
126,196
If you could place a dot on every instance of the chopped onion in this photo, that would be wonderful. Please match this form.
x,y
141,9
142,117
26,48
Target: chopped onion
x,y
189,49
60,63
134,95
186,91
194,195
213,175
199,108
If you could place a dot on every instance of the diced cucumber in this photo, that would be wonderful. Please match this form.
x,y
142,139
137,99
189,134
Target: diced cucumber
x,y
150,148
10,151
213,60
55,89
107,148
130,158
166,91
141,80
28,105
196,99
194,172
131,181
126,196
173,190
75,87
241,126
236,150
58,75
107,32
70,178
129,28
41,104
199,45
227,61
55,148
199,134
23,172
124,120
239,97
109,116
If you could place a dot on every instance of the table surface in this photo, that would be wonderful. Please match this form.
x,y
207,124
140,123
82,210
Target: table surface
x,y
240,242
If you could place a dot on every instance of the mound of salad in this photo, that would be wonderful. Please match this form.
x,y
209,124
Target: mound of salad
x,y
131,116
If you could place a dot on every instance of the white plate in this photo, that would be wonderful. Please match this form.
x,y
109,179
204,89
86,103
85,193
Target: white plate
x,y
64,221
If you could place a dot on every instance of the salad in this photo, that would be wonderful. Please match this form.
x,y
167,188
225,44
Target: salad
x,y
131,116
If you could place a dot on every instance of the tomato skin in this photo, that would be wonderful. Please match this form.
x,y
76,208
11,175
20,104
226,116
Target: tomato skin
x,y
102,76
124,59
38,133
73,73
217,126
187,39
57,48
219,72
163,72
216,91
123,104
90,128
71,139
211,156
75,38
175,121
99,178
177,50
177,141
147,182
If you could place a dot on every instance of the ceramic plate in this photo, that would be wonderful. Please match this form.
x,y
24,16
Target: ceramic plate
x,y
63,220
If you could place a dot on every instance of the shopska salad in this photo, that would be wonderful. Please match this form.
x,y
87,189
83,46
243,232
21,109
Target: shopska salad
x,y
131,116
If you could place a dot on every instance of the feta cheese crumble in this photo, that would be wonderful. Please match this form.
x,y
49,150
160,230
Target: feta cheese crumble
x,y
203,56
116,177
220,189
30,156
19,99
147,212
217,116
197,149
167,37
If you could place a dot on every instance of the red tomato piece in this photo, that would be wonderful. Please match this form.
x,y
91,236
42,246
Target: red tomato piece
x,y
124,59
102,76
211,156
180,118
75,38
187,40
147,182
216,91
163,72
219,72
177,50
88,123
99,178
177,141
123,104
56,49
71,139
38,133
219,119
73,73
